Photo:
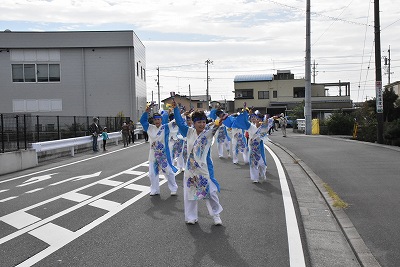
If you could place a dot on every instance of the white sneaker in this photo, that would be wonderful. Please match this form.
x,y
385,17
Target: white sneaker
x,y
191,222
173,193
217,220
154,194
255,182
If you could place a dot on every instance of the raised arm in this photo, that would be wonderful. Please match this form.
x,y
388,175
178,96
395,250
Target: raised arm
x,y
183,128
144,120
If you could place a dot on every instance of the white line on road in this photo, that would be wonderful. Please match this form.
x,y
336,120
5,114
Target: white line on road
x,y
68,164
7,199
296,254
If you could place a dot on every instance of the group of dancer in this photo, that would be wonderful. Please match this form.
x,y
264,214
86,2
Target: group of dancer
x,y
182,140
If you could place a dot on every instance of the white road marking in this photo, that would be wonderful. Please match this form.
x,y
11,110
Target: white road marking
x,y
77,178
36,179
74,196
296,254
105,204
110,182
19,219
51,249
57,234
134,172
5,190
7,199
33,191
69,164
29,227
138,187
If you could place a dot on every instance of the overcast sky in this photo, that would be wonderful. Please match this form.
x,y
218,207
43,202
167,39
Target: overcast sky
x,y
238,36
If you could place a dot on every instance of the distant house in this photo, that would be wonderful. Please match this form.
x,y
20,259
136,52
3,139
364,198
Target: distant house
x,y
91,73
281,92
395,86
195,102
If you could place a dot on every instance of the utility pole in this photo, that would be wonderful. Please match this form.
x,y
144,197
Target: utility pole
x,y
190,99
158,86
208,61
387,65
307,99
378,74
314,71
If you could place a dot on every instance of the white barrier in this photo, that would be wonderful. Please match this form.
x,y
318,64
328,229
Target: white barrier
x,y
72,142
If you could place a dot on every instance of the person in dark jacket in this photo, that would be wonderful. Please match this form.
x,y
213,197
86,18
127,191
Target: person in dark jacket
x,y
95,130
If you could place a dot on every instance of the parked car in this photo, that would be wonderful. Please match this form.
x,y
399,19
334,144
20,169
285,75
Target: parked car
x,y
290,122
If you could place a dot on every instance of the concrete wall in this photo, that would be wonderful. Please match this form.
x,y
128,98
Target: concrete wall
x,y
17,161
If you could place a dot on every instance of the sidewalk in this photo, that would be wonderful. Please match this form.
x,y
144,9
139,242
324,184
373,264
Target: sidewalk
x,y
330,237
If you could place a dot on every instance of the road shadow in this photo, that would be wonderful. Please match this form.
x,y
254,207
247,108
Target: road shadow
x,y
215,245
164,207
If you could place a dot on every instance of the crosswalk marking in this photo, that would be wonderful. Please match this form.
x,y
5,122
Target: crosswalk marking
x,y
19,219
110,182
105,204
138,187
74,196
58,234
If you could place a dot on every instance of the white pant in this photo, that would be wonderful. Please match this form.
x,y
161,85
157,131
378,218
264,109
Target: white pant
x,y
245,155
180,162
257,173
191,206
224,145
155,180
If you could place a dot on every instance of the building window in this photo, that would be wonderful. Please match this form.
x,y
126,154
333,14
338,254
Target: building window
x,y
137,68
299,92
275,94
246,93
141,72
263,94
31,73
199,105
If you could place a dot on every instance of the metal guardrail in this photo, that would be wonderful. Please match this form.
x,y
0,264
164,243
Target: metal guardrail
x,y
71,143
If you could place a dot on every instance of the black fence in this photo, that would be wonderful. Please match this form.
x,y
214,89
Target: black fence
x,y
19,131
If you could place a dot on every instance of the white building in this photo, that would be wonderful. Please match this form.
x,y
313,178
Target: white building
x,y
281,92
93,73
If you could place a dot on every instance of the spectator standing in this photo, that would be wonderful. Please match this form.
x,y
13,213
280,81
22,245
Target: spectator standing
x,y
283,123
125,134
95,130
131,132
104,134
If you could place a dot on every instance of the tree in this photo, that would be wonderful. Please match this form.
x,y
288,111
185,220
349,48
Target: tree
x,y
389,100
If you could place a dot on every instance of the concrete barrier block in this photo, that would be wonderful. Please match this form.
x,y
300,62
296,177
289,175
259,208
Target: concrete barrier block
x,y
17,160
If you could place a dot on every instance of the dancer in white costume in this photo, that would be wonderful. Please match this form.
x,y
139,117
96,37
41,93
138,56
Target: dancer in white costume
x,y
257,130
239,142
199,181
159,154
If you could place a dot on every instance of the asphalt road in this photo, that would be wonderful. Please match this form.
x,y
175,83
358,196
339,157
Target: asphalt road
x,y
364,175
94,210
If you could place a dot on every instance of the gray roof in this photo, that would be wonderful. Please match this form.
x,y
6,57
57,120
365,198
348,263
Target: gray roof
x,y
253,78
67,39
